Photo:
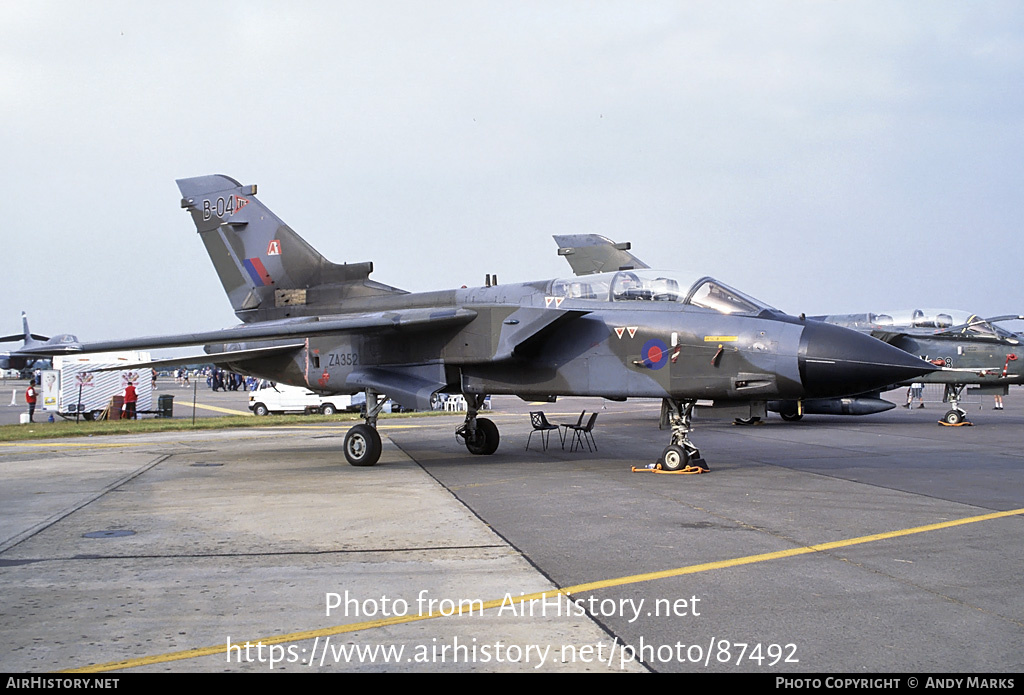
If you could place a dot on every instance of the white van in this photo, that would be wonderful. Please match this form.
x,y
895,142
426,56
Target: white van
x,y
270,397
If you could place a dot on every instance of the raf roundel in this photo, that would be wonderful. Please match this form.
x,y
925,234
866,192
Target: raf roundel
x,y
654,354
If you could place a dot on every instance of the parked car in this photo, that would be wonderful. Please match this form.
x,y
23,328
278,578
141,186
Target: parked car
x,y
270,397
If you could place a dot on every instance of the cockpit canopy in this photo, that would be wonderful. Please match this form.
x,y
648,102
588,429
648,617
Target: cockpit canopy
x,y
658,286
972,324
921,318
939,320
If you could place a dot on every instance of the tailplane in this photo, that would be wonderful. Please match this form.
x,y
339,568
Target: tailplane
x,y
27,337
268,271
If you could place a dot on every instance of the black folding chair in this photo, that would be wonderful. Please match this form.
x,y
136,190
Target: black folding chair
x,y
567,426
585,433
540,424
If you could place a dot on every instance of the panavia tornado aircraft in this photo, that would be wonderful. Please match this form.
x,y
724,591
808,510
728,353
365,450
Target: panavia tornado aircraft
x,y
970,351
620,334
25,358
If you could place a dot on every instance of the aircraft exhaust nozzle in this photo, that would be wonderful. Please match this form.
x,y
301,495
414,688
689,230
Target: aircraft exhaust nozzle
x,y
836,361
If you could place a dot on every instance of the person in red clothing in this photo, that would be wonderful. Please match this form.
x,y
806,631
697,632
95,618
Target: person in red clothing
x,y
130,398
30,398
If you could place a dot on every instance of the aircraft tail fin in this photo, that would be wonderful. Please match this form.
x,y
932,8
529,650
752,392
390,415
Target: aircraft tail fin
x,y
267,270
593,253
26,336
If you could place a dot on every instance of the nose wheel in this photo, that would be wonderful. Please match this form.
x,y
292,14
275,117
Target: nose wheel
x,y
956,415
681,452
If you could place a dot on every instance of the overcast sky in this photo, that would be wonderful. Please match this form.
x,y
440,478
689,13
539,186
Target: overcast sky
x,y
826,157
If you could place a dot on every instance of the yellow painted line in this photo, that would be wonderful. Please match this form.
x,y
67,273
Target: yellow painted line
x,y
576,414
214,408
342,424
569,590
278,428
792,552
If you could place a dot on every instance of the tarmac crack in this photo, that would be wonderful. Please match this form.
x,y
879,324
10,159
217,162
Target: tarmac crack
x,y
289,553
891,487
65,513
843,558
604,627
933,592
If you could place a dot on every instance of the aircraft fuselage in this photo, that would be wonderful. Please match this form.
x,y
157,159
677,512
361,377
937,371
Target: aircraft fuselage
x,y
527,341
985,359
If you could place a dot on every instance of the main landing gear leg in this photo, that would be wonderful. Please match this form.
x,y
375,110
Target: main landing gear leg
x,y
362,443
681,452
956,416
480,434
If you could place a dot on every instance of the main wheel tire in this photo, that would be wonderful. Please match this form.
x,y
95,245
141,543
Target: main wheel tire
x,y
791,417
486,441
362,446
953,417
260,409
746,420
674,458
328,409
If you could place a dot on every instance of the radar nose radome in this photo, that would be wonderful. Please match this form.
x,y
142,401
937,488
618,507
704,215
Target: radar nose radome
x,y
836,361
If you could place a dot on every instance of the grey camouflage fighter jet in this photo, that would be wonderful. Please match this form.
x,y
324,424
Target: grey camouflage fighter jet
x,y
971,351
968,350
620,334
25,358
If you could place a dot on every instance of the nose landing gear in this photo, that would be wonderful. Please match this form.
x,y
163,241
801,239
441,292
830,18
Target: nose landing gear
x,y
956,416
681,452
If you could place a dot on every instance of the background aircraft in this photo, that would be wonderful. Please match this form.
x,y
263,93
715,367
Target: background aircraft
x,y
631,333
24,358
971,351
974,352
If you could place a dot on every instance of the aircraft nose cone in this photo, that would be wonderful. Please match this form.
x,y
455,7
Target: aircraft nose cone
x,y
836,361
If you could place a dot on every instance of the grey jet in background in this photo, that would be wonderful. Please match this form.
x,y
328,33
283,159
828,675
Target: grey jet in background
x,y
26,358
972,351
619,334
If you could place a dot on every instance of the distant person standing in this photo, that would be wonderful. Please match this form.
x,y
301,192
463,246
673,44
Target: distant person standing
x,y
30,398
999,402
916,390
130,399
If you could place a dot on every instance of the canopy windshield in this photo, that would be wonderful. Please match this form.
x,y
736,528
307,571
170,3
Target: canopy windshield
x,y
658,286
971,324
921,318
